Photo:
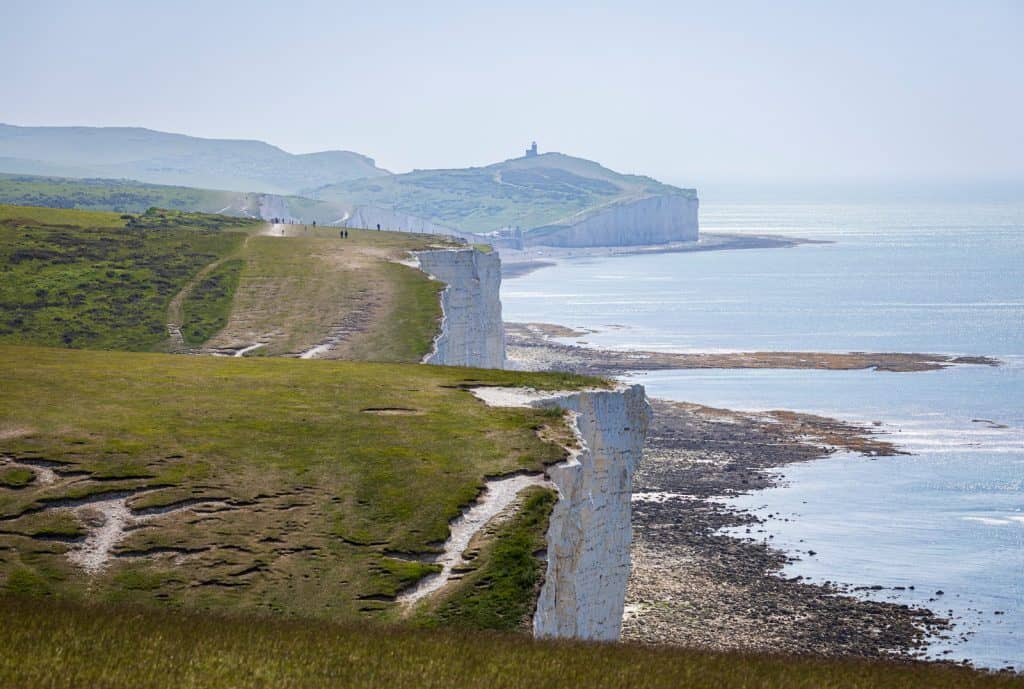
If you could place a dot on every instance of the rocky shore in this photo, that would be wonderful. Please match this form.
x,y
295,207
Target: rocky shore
x,y
693,586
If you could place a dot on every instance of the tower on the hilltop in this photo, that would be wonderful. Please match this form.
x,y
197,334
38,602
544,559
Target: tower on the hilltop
x,y
532,150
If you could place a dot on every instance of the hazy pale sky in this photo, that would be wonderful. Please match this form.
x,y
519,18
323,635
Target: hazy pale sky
x,y
691,93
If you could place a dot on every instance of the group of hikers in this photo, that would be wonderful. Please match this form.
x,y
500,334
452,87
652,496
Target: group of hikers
x,y
344,233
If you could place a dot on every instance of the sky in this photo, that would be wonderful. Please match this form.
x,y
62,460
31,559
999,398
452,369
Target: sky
x,y
746,93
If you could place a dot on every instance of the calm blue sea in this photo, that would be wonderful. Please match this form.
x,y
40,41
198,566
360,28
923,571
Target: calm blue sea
x,y
935,278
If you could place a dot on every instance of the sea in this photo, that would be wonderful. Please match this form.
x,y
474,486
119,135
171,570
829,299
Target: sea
x,y
941,527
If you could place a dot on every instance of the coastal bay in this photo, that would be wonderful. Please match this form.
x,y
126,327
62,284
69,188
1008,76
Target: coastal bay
x,y
904,331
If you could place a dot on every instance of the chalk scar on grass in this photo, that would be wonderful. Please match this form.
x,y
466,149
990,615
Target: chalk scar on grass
x,y
496,498
107,521
245,350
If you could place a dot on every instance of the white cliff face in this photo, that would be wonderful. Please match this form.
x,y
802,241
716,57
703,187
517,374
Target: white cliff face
x,y
590,530
472,333
653,220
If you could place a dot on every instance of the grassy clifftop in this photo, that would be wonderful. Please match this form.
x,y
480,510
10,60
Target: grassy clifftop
x,y
276,484
97,280
309,488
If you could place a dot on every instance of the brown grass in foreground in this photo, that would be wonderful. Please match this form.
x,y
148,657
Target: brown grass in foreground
x,y
53,644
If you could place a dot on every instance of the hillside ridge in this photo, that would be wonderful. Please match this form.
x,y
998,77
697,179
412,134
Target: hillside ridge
x,y
169,158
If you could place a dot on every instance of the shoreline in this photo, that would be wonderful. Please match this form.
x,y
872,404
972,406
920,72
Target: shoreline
x,y
520,262
692,585
532,347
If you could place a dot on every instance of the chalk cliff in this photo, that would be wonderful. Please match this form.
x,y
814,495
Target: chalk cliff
x,y
651,220
590,530
472,333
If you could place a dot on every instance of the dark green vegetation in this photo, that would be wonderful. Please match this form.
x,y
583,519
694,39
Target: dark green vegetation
x,y
529,192
101,280
116,646
208,305
120,195
253,484
129,196
501,586
162,158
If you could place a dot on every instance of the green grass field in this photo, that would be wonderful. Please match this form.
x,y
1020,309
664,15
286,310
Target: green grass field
x,y
46,644
102,280
299,484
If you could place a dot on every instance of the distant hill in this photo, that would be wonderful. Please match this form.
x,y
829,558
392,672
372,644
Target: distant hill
x,y
551,199
163,158
531,192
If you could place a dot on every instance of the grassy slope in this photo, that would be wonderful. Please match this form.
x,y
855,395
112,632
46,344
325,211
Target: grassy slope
x,y
101,280
315,490
144,649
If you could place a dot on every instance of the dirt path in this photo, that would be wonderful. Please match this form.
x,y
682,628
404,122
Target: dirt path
x,y
311,296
